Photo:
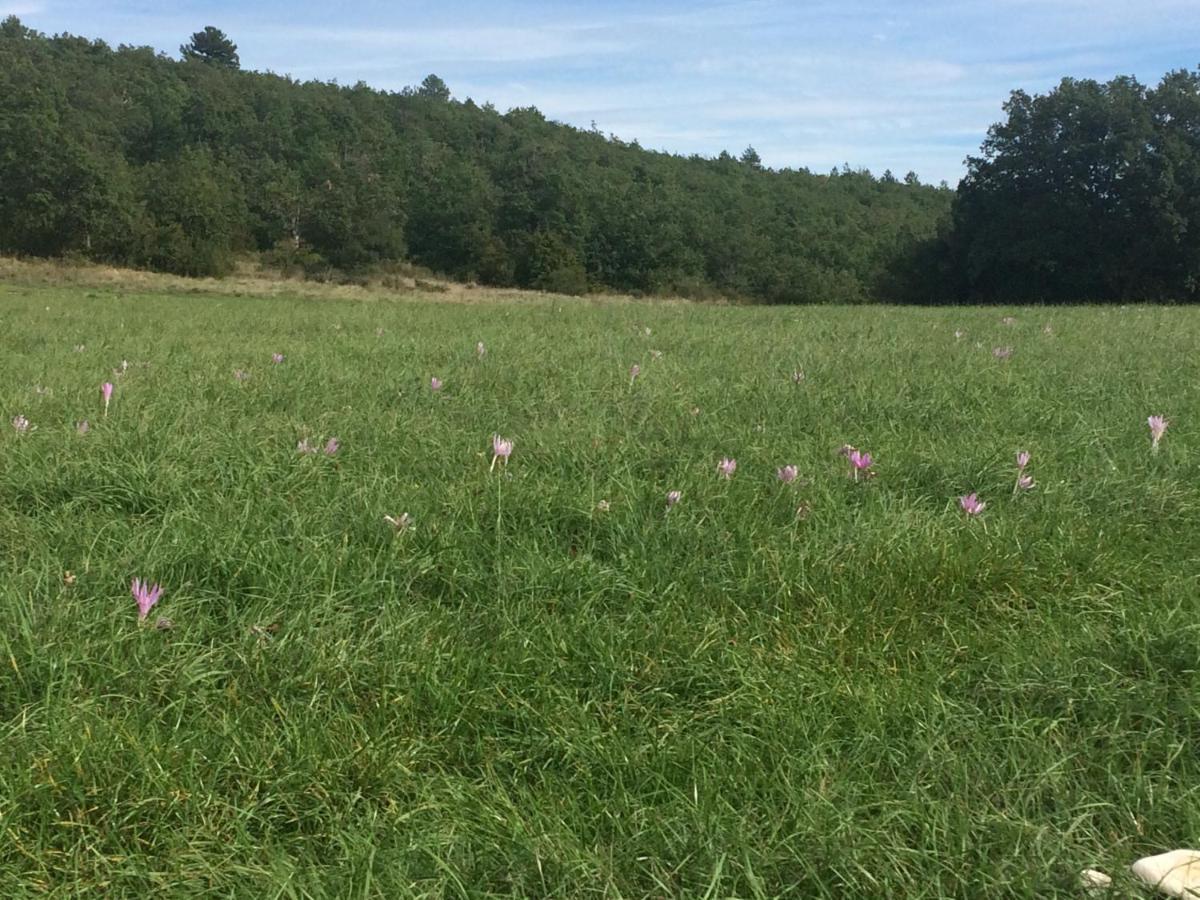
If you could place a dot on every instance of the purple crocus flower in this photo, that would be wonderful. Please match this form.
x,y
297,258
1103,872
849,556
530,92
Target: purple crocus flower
x,y
146,596
859,462
1158,427
971,504
501,450
787,474
727,467
1024,482
435,384
106,392
277,358
1022,459
332,446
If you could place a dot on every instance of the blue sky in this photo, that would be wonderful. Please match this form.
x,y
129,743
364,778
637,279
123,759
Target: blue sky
x,y
898,85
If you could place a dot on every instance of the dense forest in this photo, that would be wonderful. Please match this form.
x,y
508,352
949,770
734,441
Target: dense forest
x,y
131,157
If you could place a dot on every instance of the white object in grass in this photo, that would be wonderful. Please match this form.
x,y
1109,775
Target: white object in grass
x,y
1175,873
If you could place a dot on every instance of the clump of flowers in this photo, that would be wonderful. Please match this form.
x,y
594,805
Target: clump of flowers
x,y
332,446
1024,479
727,467
787,474
860,463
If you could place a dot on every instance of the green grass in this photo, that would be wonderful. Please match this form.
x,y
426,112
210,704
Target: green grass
x,y
523,696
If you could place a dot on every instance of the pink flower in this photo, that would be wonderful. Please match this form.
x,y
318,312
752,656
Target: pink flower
x,y
332,446
146,596
673,497
106,391
861,461
501,450
1158,427
1024,482
1002,352
480,350
83,427
21,424
787,474
727,467
970,504
435,384
1022,459
277,358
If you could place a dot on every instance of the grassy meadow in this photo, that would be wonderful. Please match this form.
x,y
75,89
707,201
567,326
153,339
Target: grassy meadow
x,y
829,688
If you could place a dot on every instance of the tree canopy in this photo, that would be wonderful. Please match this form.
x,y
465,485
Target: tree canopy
x,y
212,46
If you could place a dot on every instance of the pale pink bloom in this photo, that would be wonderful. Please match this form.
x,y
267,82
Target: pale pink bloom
x,y
727,467
1158,427
860,461
787,474
146,596
480,350
21,424
1024,482
673,497
634,371
83,427
1022,459
798,376
1002,352
970,504
305,447
400,523
501,450
277,358
332,446
106,392
435,384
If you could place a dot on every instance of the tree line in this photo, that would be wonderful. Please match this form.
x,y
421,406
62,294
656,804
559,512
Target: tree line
x,y
131,157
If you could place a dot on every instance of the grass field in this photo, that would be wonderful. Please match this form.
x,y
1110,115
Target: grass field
x,y
830,688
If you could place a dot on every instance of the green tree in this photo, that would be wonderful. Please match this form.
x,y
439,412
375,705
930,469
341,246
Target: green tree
x,y
212,45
